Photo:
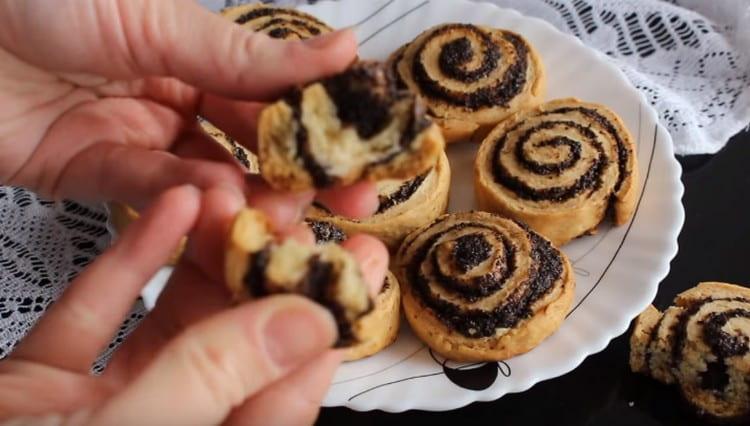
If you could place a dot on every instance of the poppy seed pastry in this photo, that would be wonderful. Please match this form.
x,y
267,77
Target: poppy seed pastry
x,y
471,77
701,344
404,205
381,325
258,266
352,126
277,22
559,167
480,287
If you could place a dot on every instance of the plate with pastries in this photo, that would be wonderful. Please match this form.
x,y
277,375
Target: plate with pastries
x,y
529,198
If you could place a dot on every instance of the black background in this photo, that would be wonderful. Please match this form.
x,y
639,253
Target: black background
x,y
714,246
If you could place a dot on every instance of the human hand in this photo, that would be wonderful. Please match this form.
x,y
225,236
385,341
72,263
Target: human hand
x,y
99,98
194,359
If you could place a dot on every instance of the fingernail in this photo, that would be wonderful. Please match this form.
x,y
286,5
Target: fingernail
x,y
325,41
295,334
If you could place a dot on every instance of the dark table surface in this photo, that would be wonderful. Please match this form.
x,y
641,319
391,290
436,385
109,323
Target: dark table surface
x,y
714,246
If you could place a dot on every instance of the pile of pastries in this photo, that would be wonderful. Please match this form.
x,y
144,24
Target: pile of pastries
x,y
474,286
482,285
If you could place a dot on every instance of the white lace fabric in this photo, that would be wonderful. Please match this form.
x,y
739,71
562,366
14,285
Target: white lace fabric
x,y
690,58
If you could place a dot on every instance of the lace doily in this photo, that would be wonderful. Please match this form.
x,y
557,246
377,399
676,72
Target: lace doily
x,y
689,57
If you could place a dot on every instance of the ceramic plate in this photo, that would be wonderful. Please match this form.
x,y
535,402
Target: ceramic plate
x,y
617,270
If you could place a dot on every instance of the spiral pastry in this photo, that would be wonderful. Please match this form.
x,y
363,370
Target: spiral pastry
x,y
471,77
479,287
558,167
277,22
702,344
352,126
404,206
258,266
381,325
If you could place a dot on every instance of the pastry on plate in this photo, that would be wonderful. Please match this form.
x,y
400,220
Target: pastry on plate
x,y
470,76
352,126
559,167
278,22
478,287
405,205
381,325
701,344
257,266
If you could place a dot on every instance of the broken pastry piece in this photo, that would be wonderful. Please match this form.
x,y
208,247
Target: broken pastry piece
x,y
258,266
702,345
342,129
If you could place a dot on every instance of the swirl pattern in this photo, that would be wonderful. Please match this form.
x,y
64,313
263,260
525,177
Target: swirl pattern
x,y
404,205
558,167
471,76
482,287
703,345
277,22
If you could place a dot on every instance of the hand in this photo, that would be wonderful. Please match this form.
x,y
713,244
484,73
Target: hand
x,y
193,360
99,98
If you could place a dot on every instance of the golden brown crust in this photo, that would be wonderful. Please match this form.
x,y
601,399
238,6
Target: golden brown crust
x,y
469,333
352,126
560,182
461,117
381,325
395,218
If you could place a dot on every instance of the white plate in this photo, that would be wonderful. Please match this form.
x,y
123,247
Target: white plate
x,y
617,270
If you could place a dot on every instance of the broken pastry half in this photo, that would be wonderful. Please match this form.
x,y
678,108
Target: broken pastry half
x,y
352,126
701,344
380,326
257,266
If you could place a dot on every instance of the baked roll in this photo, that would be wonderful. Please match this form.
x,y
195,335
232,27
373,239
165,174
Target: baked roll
x,y
404,206
258,266
277,22
479,287
471,77
559,167
702,344
381,325
352,126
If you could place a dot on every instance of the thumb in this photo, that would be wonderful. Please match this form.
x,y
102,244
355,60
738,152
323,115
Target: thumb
x,y
215,365
126,39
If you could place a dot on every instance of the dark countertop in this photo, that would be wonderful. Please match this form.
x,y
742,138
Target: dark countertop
x,y
714,246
